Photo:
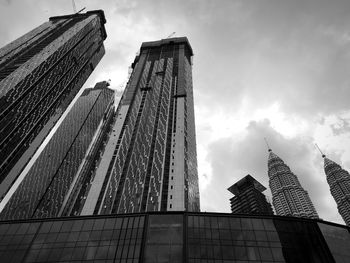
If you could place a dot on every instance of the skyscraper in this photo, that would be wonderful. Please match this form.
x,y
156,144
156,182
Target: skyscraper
x,y
288,196
40,74
149,163
249,198
339,184
60,174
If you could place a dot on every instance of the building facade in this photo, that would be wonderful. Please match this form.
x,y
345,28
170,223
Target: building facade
x,y
288,196
150,163
186,237
249,198
40,74
339,184
58,177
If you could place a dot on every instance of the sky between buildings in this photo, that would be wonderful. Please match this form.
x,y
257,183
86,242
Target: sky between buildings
x,y
262,68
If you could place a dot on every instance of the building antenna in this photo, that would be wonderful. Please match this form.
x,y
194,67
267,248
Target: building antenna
x,y
74,8
267,144
323,155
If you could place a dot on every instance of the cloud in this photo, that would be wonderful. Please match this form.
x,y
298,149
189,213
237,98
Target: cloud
x,y
232,159
276,69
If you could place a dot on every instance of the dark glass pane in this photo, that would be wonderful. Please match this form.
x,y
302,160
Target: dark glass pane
x,y
31,256
90,253
227,252
194,251
277,254
40,238
142,221
225,234
190,221
45,227
240,253
253,253
176,253
109,224
95,235
106,235
246,223
257,224
125,223
195,221
272,236
98,225
223,222
217,252
78,253
208,233
56,226
115,234
260,235
136,222
237,234
33,227
111,251
102,252
22,229
235,223
131,251
78,225
43,255
3,229
73,237
50,237
67,226
12,229
88,225
118,223
338,241
248,235
62,237
265,253
201,221
84,236
131,222
269,225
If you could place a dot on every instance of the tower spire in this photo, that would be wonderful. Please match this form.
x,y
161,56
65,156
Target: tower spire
x,y
323,155
267,144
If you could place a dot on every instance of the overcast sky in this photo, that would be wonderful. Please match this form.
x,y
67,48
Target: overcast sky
x,y
264,68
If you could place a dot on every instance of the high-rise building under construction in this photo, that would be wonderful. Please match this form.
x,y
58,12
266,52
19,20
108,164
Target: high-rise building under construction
x,y
149,162
40,74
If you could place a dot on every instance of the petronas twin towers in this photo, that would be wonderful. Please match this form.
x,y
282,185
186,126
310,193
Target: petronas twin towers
x,y
288,196
290,199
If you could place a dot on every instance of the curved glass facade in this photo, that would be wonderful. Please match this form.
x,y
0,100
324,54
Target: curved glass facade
x,y
174,237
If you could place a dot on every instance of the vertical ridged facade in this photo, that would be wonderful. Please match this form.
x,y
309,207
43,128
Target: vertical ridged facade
x,y
150,162
249,198
339,184
40,74
59,172
288,196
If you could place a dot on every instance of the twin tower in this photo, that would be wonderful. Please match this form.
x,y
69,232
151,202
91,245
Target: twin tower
x,y
288,196
102,159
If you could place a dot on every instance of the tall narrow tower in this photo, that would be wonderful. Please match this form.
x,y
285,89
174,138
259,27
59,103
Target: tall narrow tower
x,y
288,196
150,162
60,174
339,184
40,74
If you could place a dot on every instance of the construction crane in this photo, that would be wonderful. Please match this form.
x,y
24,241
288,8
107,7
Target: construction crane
x,y
171,35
